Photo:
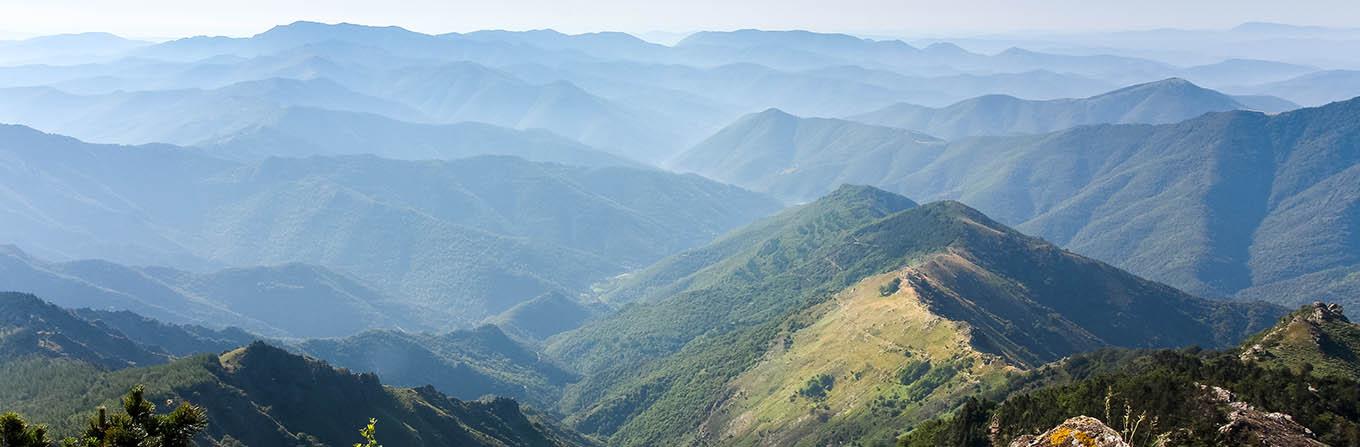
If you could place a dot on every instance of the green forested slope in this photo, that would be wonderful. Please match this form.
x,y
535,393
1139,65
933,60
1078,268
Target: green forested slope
x,y
701,321
1233,204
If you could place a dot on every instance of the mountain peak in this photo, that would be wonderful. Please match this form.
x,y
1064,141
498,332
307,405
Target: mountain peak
x,y
773,112
1318,337
944,47
1168,84
1321,312
14,251
866,195
1172,81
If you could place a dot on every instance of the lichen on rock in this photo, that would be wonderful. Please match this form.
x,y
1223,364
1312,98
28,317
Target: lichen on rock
x,y
1080,431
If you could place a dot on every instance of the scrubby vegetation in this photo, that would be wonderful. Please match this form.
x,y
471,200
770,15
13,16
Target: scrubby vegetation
x,y
137,425
817,387
1146,394
891,287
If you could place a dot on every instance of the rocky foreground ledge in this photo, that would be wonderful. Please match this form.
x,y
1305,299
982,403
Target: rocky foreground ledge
x,y
1246,426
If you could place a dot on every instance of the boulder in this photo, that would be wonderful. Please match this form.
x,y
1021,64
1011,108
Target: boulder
x,y
1080,431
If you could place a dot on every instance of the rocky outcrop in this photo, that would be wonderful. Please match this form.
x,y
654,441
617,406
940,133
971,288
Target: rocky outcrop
x,y
1248,426
1080,431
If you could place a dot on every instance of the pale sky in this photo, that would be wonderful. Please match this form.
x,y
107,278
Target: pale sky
x,y
177,18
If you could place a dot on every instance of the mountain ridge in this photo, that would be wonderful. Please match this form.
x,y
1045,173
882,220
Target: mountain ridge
x,y
1161,102
1242,186
735,309
484,232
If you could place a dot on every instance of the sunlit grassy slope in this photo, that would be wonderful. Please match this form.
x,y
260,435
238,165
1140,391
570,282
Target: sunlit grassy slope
x,y
890,358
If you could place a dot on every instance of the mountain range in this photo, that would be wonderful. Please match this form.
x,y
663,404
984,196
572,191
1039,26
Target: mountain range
x,y
795,158
851,315
1313,89
58,367
465,364
464,239
1162,102
739,238
304,132
290,300
66,48
1234,204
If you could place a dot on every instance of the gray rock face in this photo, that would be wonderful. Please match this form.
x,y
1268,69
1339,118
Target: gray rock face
x,y
1249,426
1324,312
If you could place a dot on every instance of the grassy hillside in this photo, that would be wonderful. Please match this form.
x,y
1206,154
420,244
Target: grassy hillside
x,y
723,336
864,367
1316,339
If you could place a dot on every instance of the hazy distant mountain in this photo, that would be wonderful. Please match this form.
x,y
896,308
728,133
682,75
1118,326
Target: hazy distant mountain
x,y
470,92
804,49
1249,193
1160,102
66,48
288,300
302,132
244,95
180,340
826,316
466,239
798,159
946,89
698,101
1259,202
1312,89
465,364
346,63
1243,72
1116,68
1303,45
180,116
1265,103
391,39
603,45
547,315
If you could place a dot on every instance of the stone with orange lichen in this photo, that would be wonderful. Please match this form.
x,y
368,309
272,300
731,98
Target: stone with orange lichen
x,y
1080,431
